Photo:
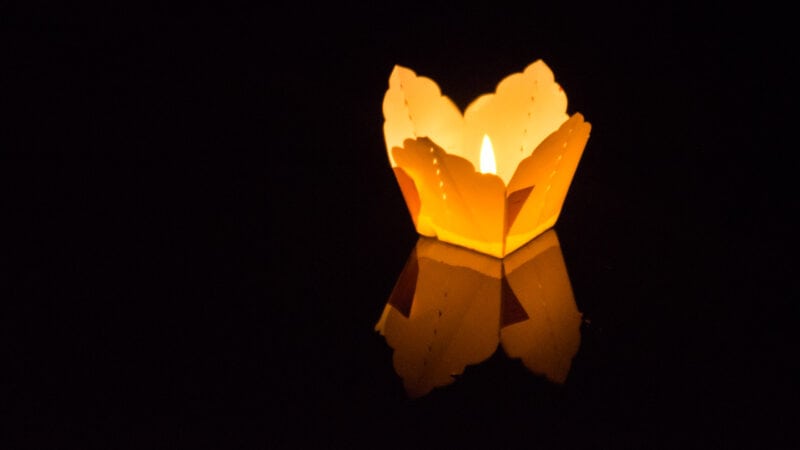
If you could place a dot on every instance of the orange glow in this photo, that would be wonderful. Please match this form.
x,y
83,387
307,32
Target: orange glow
x,y
451,307
454,190
487,156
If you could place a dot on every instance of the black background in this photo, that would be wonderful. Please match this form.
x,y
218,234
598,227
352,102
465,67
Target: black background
x,y
205,227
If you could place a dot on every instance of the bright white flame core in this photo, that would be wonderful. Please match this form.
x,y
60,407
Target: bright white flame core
x,y
487,156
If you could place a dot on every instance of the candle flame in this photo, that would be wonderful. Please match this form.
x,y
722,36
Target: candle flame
x,y
487,156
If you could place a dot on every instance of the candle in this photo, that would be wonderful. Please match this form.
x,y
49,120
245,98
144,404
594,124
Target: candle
x,y
493,178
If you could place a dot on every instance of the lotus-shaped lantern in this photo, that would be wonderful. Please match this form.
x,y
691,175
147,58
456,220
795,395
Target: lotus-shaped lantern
x,y
493,178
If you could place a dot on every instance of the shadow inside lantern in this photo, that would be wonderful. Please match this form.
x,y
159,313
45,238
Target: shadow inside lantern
x,y
451,307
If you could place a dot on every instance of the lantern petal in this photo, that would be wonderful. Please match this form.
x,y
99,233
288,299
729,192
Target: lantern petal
x,y
525,108
550,168
409,191
456,203
414,107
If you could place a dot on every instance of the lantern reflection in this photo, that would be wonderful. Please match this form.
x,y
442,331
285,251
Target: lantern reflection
x,y
452,306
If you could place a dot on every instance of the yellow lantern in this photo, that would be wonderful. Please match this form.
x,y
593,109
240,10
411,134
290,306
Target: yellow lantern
x,y
521,140
451,307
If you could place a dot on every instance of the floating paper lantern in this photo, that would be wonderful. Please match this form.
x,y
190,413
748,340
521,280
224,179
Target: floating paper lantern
x,y
493,178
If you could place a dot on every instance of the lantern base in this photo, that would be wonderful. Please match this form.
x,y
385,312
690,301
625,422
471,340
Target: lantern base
x,y
495,249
